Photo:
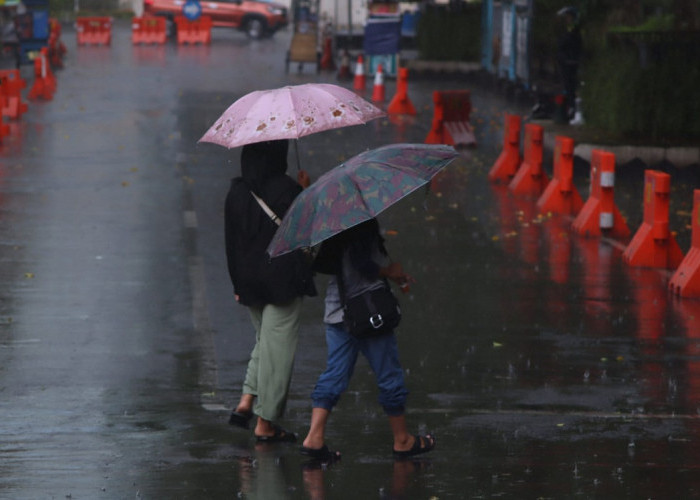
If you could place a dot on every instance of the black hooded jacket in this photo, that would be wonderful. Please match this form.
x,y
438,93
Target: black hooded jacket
x,y
257,279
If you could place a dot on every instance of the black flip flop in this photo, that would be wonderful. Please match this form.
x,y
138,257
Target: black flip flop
x,y
322,454
422,444
280,436
240,419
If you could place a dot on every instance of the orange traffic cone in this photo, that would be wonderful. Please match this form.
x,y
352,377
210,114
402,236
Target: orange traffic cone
x,y
327,61
359,83
378,93
344,71
400,104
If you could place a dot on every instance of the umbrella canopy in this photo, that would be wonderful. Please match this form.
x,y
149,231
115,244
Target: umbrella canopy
x,y
289,113
357,190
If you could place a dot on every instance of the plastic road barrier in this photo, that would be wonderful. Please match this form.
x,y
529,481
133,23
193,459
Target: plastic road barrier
x,y
653,244
509,160
451,126
561,196
600,214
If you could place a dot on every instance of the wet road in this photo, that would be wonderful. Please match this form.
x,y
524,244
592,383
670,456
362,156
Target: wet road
x,y
546,367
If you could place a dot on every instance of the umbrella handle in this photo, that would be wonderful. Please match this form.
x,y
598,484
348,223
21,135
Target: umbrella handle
x,y
296,150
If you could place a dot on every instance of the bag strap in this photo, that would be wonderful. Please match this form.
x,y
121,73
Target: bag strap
x,y
272,215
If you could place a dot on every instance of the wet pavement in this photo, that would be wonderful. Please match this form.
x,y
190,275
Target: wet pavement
x,y
546,367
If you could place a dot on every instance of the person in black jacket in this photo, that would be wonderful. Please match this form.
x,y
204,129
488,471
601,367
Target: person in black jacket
x,y
569,48
272,289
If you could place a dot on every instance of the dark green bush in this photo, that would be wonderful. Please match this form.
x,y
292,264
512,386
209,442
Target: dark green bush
x,y
653,100
450,33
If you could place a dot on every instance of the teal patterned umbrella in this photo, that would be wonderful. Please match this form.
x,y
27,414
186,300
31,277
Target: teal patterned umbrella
x,y
357,190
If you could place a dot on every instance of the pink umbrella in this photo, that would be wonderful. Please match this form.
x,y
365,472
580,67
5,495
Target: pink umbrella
x,y
289,113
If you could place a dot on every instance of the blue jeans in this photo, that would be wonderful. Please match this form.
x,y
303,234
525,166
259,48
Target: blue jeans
x,y
383,356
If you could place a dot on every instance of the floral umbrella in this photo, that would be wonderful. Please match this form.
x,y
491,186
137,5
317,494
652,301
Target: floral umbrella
x,y
289,113
357,190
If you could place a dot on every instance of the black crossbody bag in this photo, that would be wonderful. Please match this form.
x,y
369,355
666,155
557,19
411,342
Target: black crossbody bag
x,y
372,313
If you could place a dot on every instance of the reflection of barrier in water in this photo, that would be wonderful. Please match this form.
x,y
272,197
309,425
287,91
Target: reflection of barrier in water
x,y
530,178
650,304
561,196
596,260
686,280
509,159
688,312
556,230
651,311
653,245
599,214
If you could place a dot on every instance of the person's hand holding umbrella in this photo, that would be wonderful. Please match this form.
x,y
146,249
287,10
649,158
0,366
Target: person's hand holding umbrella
x,y
395,273
303,178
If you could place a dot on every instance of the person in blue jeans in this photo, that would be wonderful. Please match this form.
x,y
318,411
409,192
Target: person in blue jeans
x,y
360,255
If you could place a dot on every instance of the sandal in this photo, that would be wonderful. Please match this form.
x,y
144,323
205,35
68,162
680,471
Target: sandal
x,y
240,419
322,454
280,436
421,444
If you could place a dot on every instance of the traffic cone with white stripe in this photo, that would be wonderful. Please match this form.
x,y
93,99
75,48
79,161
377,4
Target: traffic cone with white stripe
x,y
359,82
378,92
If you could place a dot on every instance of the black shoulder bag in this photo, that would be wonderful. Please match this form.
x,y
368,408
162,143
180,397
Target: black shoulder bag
x,y
371,313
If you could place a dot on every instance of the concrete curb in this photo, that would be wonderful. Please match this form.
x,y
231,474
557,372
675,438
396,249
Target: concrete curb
x,y
650,155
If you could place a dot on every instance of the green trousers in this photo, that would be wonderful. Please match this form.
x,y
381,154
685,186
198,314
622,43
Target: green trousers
x,y
270,367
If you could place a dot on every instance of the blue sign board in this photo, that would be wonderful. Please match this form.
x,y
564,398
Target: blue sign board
x,y
192,10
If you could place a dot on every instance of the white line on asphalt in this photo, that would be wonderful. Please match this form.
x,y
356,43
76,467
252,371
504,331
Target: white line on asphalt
x,y
190,219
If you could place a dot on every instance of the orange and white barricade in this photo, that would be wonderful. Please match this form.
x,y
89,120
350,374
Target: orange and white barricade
x,y
561,196
452,109
507,163
44,84
149,30
193,31
653,245
94,30
599,214
11,85
530,179
685,282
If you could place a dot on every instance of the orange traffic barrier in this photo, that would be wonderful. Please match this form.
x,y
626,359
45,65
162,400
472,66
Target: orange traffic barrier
x,y
653,245
509,160
561,196
686,280
148,30
530,178
94,30
44,84
600,214
11,85
451,126
327,61
378,91
400,104
193,32
359,82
